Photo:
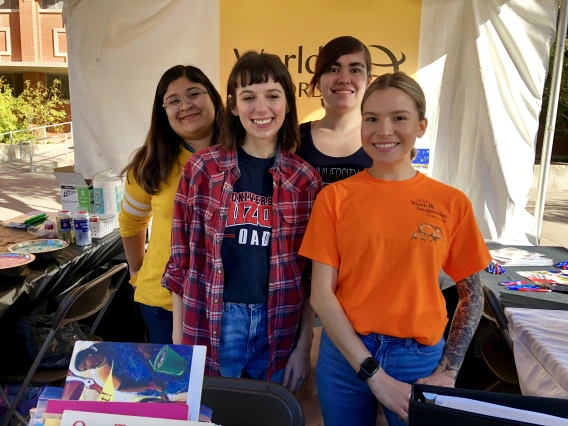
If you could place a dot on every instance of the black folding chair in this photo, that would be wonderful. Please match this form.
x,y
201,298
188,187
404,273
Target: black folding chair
x,y
497,352
237,402
79,303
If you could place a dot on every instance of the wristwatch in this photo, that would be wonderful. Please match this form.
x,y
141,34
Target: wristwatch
x,y
368,367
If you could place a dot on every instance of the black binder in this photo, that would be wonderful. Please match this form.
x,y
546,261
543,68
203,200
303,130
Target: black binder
x,y
424,413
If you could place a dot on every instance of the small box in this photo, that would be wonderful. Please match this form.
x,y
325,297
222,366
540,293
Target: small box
x,y
76,191
104,226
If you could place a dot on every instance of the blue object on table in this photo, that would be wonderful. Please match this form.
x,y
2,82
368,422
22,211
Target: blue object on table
x,y
422,156
562,265
495,269
516,287
49,392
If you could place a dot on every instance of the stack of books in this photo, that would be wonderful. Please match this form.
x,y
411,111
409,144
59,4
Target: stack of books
x,y
130,384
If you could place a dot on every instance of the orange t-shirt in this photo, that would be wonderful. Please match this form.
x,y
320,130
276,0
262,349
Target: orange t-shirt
x,y
389,240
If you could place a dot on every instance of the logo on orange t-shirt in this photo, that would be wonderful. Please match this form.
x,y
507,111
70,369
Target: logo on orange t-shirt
x,y
427,232
430,209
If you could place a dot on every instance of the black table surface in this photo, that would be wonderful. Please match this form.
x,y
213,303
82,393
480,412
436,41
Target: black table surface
x,y
517,299
47,279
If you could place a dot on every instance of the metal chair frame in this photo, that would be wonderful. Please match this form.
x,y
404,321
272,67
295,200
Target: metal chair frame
x,y
81,302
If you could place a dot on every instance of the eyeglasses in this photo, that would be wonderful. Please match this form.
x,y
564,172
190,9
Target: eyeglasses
x,y
189,97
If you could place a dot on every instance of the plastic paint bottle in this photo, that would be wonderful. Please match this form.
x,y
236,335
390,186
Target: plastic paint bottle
x,y
65,226
82,229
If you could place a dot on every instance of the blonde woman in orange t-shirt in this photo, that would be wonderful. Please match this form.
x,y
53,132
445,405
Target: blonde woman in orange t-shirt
x,y
378,241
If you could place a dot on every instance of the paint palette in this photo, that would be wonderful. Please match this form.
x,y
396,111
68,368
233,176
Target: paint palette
x,y
42,249
12,264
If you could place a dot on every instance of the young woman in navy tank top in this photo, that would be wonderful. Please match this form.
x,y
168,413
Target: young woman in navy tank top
x,y
332,145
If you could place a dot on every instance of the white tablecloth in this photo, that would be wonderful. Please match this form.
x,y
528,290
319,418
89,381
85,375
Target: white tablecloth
x,y
540,343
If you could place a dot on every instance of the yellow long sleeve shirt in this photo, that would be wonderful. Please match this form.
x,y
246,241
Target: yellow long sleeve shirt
x,y
137,208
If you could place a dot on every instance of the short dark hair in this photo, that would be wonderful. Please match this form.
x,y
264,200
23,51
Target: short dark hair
x,y
82,356
332,51
153,162
257,68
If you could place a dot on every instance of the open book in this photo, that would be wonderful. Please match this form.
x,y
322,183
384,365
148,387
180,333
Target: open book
x,y
136,372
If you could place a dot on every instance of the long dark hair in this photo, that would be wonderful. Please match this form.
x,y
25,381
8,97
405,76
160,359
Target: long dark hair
x,y
257,68
153,162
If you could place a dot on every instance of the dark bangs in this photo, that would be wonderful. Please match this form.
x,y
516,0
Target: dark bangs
x,y
254,68
257,68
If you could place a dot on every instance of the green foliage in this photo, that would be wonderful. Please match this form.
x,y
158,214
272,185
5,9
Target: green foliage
x,y
35,107
8,120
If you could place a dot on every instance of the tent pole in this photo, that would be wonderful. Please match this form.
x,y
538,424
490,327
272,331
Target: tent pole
x,y
551,117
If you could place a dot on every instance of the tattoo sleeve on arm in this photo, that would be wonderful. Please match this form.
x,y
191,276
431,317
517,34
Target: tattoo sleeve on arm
x,y
467,316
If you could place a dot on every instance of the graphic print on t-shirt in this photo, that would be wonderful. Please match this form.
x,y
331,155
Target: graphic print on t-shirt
x,y
430,209
246,244
330,174
246,208
331,169
426,230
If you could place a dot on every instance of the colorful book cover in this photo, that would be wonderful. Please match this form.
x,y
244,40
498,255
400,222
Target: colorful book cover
x,y
174,411
136,372
74,418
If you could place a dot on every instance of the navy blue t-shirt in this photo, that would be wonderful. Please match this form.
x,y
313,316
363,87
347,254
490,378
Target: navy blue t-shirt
x,y
331,169
246,244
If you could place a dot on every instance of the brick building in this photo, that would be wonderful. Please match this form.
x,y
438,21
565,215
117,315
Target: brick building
x,y
33,44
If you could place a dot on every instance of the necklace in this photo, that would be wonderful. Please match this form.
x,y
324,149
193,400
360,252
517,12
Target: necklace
x,y
188,147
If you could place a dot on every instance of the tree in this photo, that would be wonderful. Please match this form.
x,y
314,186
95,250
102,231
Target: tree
x,y
40,106
35,107
8,120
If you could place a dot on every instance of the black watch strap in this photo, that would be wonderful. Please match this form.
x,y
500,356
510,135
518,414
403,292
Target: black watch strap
x,y
362,375
368,368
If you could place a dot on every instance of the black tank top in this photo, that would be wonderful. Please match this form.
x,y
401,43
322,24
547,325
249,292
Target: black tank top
x,y
331,169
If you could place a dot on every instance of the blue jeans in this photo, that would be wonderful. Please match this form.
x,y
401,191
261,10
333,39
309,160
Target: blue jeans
x,y
346,400
160,323
244,348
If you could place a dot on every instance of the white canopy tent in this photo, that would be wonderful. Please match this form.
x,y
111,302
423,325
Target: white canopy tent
x,y
482,64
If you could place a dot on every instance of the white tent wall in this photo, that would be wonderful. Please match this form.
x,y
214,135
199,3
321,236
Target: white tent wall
x,y
118,50
483,65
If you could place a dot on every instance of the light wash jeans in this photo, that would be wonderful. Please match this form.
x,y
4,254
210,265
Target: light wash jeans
x,y
346,400
244,349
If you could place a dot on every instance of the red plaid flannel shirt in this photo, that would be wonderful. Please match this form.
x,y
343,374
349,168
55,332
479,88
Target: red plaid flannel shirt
x,y
195,269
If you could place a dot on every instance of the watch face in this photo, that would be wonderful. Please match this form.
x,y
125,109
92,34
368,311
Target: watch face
x,y
370,365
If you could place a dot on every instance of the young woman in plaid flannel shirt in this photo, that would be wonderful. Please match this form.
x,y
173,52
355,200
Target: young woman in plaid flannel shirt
x,y
239,218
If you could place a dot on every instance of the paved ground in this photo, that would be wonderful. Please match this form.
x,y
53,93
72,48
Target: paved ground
x,y
555,223
22,191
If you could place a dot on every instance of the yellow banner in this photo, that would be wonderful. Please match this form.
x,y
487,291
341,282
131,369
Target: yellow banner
x,y
296,30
